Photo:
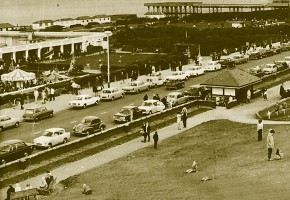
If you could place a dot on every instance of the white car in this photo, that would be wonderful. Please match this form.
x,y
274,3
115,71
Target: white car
x,y
270,68
213,66
111,94
154,81
136,87
194,71
151,106
176,98
82,101
177,75
7,122
52,137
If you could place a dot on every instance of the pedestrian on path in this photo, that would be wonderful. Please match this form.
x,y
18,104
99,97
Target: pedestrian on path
x,y
260,128
270,143
184,116
155,138
178,120
43,95
265,95
248,96
36,94
52,94
9,191
147,129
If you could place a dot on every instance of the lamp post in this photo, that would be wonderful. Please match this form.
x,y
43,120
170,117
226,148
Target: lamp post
x,y
108,33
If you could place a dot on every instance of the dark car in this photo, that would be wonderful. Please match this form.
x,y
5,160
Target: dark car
x,y
281,65
14,149
127,113
89,125
35,114
197,92
227,62
174,84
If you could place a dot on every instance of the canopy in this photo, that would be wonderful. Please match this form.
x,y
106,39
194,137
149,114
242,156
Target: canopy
x,y
18,75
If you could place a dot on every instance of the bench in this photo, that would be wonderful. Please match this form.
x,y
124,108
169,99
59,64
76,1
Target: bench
x,y
24,194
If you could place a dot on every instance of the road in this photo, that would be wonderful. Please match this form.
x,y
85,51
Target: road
x,y
105,110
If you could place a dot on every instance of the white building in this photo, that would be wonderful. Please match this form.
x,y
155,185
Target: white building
x,y
42,24
65,22
6,27
102,19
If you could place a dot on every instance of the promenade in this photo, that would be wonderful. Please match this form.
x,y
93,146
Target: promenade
x,y
244,113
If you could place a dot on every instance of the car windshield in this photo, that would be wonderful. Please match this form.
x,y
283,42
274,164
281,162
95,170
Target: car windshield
x,y
125,111
106,91
48,133
210,64
86,121
5,148
29,111
147,104
171,96
133,84
78,98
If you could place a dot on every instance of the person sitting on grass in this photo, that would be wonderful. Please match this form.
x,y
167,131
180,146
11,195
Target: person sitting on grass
x,y
284,107
193,168
279,154
42,190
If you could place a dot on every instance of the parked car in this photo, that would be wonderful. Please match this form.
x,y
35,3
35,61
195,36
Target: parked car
x,y
35,114
270,69
277,49
226,62
194,71
154,81
270,52
111,94
175,84
11,150
239,59
257,71
212,66
197,92
151,106
255,55
177,98
127,114
89,125
52,137
285,46
281,65
84,100
7,122
177,75
136,87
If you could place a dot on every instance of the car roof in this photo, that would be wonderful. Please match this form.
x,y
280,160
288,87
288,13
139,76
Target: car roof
x,y
2,116
151,100
174,93
33,108
91,117
54,129
111,88
83,95
7,142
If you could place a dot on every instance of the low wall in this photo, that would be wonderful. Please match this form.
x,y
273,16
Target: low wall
x,y
128,130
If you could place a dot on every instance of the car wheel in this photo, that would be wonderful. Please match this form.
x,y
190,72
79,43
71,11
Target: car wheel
x,y
122,96
150,112
26,154
97,103
88,133
36,119
51,115
186,78
183,85
64,140
1,129
113,98
49,145
138,91
84,106
155,85
16,125
102,128
3,162
149,88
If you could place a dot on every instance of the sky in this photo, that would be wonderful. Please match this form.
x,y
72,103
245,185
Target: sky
x,y
25,12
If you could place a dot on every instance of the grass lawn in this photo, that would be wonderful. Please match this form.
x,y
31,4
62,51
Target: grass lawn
x,y
226,150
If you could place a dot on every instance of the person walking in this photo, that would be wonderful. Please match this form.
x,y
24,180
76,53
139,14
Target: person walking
x,y
9,191
36,94
265,95
43,95
270,143
260,128
184,116
145,98
248,96
52,93
147,129
155,138
178,120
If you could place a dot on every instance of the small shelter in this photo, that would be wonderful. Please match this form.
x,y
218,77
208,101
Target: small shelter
x,y
18,76
232,82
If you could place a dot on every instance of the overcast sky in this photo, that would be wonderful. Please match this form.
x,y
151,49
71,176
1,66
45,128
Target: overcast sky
x,y
27,11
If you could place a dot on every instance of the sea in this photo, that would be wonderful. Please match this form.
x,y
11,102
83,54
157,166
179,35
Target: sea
x,y
25,12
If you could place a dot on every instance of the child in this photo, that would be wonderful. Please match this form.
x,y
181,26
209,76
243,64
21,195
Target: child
x,y
279,154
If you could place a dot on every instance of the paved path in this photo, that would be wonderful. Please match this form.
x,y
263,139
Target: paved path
x,y
244,113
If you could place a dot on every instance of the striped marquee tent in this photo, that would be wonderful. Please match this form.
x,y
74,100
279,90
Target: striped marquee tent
x,y
18,76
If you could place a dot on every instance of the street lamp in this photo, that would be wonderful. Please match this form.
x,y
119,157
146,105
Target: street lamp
x,y
108,33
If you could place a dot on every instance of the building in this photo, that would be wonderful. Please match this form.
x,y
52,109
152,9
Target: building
x,y
6,27
279,4
67,22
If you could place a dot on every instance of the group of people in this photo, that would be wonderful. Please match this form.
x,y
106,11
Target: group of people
x,y
145,131
45,182
270,141
46,94
17,188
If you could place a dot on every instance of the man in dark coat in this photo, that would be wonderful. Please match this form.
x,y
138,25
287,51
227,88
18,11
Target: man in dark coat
x,y
155,138
147,129
10,189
